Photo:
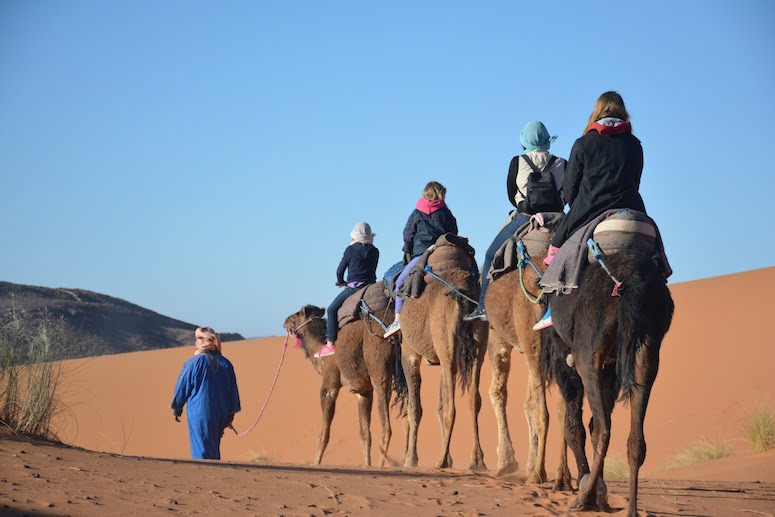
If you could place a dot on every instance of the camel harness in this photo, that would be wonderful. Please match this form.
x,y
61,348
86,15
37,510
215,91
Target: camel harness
x,y
454,291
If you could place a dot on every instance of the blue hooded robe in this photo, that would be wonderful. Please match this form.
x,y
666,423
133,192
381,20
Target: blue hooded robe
x,y
209,385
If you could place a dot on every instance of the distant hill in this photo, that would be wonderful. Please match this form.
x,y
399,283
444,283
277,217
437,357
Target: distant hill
x,y
96,324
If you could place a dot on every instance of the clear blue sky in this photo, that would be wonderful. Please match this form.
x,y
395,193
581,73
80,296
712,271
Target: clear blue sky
x,y
207,160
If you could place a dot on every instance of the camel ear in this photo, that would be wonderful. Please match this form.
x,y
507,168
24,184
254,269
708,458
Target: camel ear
x,y
320,311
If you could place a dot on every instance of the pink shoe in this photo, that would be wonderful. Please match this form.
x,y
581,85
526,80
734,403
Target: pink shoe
x,y
326,350
550,256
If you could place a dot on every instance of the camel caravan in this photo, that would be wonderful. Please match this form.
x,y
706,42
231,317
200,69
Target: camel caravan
x,y
581,294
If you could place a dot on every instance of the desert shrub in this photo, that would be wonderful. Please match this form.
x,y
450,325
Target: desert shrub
x,y
702,451
760,430
29,378
615,468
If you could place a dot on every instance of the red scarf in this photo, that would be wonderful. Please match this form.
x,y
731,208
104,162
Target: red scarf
x,y
610,130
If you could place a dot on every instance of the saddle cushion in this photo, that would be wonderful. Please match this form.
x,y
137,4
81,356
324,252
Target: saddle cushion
x,y
449,252
535,235
373,295
625,231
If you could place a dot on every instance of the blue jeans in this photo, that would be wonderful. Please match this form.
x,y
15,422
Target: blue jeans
x,y
505,234
332,319
400,281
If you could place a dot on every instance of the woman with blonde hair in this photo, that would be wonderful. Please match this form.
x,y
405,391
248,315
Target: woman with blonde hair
x,y
430,219
603,173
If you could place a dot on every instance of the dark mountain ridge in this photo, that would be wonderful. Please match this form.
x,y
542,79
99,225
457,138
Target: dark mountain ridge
x,y
96,324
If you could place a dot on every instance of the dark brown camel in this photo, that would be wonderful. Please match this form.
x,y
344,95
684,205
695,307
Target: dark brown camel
x,y
602,345
511,312
364,362
432,327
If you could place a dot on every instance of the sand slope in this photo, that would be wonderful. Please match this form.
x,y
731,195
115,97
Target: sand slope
x,y
714,370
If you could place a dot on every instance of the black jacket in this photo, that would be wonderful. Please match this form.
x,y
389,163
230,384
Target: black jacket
x,y
423,229
603,172
360,260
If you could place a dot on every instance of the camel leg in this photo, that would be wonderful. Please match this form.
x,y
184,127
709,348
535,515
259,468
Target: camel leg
x,y
645,373
383,407
446,413
538,423
364,417
500,361
590,370
475,402
562,480
570,413
328,405
410,363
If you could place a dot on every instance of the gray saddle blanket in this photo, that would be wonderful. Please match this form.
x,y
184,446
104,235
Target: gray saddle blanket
x,y
373,295
613,230
534,234
444,254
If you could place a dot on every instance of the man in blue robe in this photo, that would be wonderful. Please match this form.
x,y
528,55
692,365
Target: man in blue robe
x,y
209,386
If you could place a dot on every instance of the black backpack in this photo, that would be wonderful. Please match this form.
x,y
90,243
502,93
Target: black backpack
x,y
542,194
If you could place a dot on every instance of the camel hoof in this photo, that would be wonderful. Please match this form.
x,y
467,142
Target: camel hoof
x,y
580,505
563,483
508,468
601,496
478,466
602,488
535,479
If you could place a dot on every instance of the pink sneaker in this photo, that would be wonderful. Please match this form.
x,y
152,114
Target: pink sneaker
x,y
326,350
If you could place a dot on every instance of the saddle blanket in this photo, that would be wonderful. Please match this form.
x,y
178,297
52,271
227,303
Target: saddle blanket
x,y
618,230
443,254
373,295
535,235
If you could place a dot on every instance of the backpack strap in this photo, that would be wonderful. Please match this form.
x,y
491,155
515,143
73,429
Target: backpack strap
x,y
535,169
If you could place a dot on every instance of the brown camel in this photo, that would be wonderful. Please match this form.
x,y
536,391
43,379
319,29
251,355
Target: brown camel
x,y
364,362
432,327
602,345
511,312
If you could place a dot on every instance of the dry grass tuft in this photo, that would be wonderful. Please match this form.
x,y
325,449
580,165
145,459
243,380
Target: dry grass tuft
x,y
704,450
760,430
615,468
29,378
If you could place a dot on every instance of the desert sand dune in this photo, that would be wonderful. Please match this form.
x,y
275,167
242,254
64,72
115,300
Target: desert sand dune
x,y
716,367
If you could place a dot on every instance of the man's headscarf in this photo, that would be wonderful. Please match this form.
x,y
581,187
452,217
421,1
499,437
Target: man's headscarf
x,y
207,340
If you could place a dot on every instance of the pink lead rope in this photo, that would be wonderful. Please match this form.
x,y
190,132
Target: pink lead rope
x,y
291,332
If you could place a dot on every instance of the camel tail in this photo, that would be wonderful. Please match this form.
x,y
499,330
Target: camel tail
x,y
643,318
400,387
465,347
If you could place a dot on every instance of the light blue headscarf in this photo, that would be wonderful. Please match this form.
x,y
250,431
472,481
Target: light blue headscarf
x,y
535,136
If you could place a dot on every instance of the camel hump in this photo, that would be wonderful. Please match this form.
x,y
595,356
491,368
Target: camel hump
x,y
626,231
373,295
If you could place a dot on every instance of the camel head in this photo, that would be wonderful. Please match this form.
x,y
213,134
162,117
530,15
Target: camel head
x,y
295,320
